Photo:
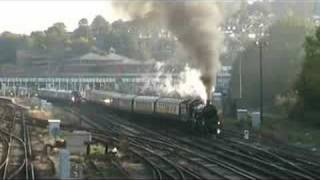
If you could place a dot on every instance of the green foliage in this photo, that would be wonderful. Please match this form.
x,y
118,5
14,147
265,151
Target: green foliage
x,y
81,45
38,40
308,85
100,28
285,102
97,150
282,59
10,43
138,39
55,40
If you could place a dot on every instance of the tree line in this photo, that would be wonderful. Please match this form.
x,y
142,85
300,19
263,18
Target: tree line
x,y
130,38
308,84
291,76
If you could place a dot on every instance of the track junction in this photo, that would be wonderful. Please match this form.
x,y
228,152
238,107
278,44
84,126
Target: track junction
x,y
16,149
166,154
173,155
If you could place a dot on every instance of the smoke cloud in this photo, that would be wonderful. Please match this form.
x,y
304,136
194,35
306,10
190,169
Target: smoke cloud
x,y
184,84
195,24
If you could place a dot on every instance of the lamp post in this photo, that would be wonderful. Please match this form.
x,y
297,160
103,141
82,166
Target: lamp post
x,y
242,50
241,58
260,43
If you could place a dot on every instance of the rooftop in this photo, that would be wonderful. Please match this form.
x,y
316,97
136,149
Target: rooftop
x,y
109,58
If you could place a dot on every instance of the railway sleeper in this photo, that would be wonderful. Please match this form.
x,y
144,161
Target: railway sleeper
x,y
189,172
241,160
168,162
214,169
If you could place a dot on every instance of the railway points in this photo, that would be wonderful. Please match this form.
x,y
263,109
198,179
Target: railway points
x,y
160,154
159,90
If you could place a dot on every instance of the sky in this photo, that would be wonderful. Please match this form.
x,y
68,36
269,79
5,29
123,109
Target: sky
x,y
25,16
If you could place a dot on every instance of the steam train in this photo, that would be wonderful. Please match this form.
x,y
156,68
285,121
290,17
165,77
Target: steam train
x,y
73,97
202,118
192,111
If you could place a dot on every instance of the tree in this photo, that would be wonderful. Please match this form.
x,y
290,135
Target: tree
x,y
81,46
56,37
298,8
82,39
100,27
308,85
38,39
282,60
8,46
119,25
83,29
138,39
83,22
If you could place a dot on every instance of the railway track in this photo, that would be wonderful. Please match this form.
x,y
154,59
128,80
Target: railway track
x,y
297,159
167,167
15,164
170,156
162,167
222,159
4,142
281,147
185,158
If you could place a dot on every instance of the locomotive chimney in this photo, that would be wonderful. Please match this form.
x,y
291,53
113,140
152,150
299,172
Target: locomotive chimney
x,y
208,102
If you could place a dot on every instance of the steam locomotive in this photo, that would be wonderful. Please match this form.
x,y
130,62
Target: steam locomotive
x,y
201,117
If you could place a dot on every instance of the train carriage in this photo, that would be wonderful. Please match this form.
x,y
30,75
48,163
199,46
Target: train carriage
x,y
126,102
96,97
76,97
60,95
184,112
171,108
203,117
63,94
110,99
46,93
144,104
23,91
55,94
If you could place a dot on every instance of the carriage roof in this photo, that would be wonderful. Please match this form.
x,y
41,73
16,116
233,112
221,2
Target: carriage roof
x,y
171,100
146,98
